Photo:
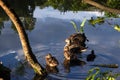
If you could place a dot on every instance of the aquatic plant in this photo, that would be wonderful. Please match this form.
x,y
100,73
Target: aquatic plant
x,y
98,20
96,74
81,26
117,27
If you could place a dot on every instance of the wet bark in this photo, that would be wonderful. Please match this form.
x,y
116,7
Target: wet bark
x,y
102,7
24,40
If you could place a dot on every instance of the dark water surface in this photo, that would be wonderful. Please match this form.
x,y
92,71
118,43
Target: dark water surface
x,y
51,29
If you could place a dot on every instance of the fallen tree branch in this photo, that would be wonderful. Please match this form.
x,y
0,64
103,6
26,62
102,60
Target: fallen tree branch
x,y
24,40
102,7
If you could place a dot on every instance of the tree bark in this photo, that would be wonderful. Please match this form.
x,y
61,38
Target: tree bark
x,y
24,40
102,7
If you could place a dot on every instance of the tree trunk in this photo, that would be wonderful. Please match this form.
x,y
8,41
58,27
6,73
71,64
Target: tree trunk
x,y
24,40
115,11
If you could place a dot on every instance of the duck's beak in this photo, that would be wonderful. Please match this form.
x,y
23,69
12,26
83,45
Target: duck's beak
x,y
83,49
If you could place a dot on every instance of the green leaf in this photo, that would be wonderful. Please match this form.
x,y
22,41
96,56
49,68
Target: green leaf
x,y
74,25
111,78
82,26
93,74
117,27
83,23
81,30
98,20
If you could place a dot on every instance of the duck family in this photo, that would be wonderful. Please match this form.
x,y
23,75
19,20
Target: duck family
x,y
75,44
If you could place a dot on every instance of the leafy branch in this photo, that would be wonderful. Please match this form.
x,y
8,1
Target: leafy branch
x,y
96,74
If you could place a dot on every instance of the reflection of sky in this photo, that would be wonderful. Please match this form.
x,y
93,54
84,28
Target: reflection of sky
x,y
50,12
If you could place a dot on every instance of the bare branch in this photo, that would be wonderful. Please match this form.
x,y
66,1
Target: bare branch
x,y
102,7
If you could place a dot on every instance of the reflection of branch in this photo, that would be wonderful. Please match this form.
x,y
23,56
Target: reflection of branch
x,y
102,7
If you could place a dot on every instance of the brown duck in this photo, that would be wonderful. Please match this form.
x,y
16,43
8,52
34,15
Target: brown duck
x,y
76,42
51,61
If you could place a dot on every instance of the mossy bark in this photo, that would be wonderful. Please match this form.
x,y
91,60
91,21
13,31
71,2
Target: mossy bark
x,y
24,40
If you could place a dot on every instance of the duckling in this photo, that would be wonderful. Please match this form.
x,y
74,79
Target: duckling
x,y
51,61
91,56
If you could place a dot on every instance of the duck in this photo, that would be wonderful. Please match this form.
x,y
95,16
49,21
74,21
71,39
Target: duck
x,y
68,55
78,36
76,43
51,61
91,57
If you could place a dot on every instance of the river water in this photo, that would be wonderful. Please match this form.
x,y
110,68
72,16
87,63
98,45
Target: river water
x,y
51,29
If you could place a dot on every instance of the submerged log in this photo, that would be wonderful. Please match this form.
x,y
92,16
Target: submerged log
x,y
107,65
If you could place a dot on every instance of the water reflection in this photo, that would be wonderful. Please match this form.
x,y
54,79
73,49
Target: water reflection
x,y
49,34
76,62
24,9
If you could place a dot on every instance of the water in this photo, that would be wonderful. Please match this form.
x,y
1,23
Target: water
x,y
50,30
